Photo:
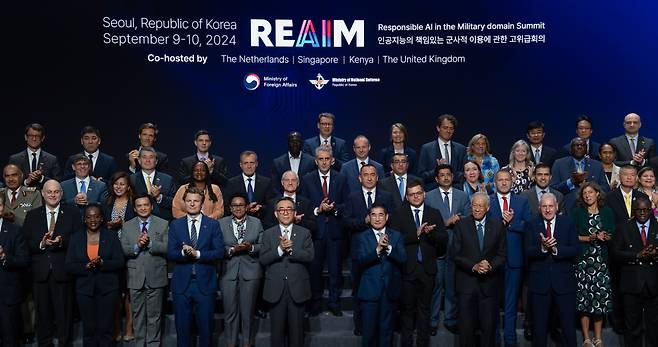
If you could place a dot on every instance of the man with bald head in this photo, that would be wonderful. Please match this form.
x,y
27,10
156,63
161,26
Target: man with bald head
x,y
352,169
631,147
295,160
19,198
47,230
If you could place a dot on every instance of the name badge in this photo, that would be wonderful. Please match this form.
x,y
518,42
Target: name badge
x,y
25,204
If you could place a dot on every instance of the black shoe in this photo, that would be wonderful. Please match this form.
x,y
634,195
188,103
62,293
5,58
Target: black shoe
x,y
336,312
357,331
433,331
452,328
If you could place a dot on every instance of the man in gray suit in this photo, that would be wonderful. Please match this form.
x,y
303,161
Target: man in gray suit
x,y
542,175
631,147
286,252
242,273
144,241
453,204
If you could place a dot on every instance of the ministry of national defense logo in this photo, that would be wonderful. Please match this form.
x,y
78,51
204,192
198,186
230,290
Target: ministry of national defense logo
x,y
319,82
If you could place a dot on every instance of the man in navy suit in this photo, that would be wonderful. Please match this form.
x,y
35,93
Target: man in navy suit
x,y
195,244
539,151
441,151
514,212
552,247
82,189
147,135
352,168
328,191
158,185
216,164
325,138
255,186
37,165
454,205
631,147
103,166
584,129
355,221
295,160
396,184
380,254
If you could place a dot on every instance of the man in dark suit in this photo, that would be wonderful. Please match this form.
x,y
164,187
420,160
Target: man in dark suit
x,y
14,260
303,206
256,187
552,247
325,138
584,129
441,151
147,136
381,256
295,160
48,230
286,251
635,249
512,210
38,165
396,184
425,239
540,152
352,169
453,204
631,147
159,185
327,190
355,220
82,189
479,252
216,164
542,174
103,166
195,244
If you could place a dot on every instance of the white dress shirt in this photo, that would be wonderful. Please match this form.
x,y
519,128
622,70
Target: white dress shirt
x,y
197,223
294,162
78,180
501,203
443,195
553,232
94,158
281,229
246,182
364,192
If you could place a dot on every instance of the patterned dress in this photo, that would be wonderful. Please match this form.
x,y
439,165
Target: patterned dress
x,y
520,179
488,168
593,295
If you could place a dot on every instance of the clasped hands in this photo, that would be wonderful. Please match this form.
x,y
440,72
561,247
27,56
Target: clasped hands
x,y
242,247
648,253
508,216
549,243
143,240
189,251
577,178
382,245
34,176
483,267
48,240
286,244
424,229
254,207
326,205
600,236
94,264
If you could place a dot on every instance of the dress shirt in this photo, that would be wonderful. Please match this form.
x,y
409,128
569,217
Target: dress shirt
x,y
364,192
534,150
48,210
539,190
78,180
553,231
501,203
29,157
316,210
235,227
150,177
282,228
94,158
246,182
366,160
202,156
483,221
420,213
294,162
442,148
136,248
198,230
634,144
449,191
646,224
389,248
10,192
322,139
293,197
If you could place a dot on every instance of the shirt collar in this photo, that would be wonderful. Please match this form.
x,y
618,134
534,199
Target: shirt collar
x,y
245,177
376,231
327,174
198,218
293,197
443,143
449,191
397,178
30,151
646,224
322,139
541,145
483,221
200,155
281,228
365,191
421,207
500,196
95,154
291,157
56,210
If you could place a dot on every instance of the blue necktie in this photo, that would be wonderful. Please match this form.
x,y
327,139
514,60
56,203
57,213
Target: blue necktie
x,y
193,240
446,200
419,254
369,199
401,187
481,235
83,187
250,191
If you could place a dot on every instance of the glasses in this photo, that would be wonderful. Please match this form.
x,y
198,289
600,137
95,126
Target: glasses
x,y
578,145
399,161
416,194
285,209
238,205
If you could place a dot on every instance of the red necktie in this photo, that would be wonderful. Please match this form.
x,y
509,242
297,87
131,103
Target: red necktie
x,y
325,189
644,235
548,229
13,198
505,204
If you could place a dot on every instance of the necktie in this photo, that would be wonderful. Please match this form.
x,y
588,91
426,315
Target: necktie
x,y
627,202
144,230
419,253
632,145
401,187
369,199
363,163
240,228
481,235
446,200
34,161
548,229
579,166
91,162
148,184
13,198
193,234
537,156
83,187
644,235
250,190
325,189
379,238
505,204
53,221
543,192
446,153
325,142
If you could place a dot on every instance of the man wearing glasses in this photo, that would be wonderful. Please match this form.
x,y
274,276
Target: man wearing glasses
x,y
325,138
396,184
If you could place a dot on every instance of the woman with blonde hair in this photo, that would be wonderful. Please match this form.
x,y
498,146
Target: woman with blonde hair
x,y
479,151
520,167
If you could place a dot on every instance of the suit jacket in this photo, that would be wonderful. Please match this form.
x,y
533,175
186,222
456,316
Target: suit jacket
x,y
546,270
338,148
516,229
105,167
302,206
218,176
461,204
624,153
351,169
381,273
262,191
533,200
390,184
430,152
51,168
281,164
432,244
27,198
210,244
168,189
564,167
466,253
615,200
104,279
356,209
580,217
96,191
386,159
245,265
593,150
328,223
36,226
635,274
548,155
288,269
17,259
146,267
162,165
